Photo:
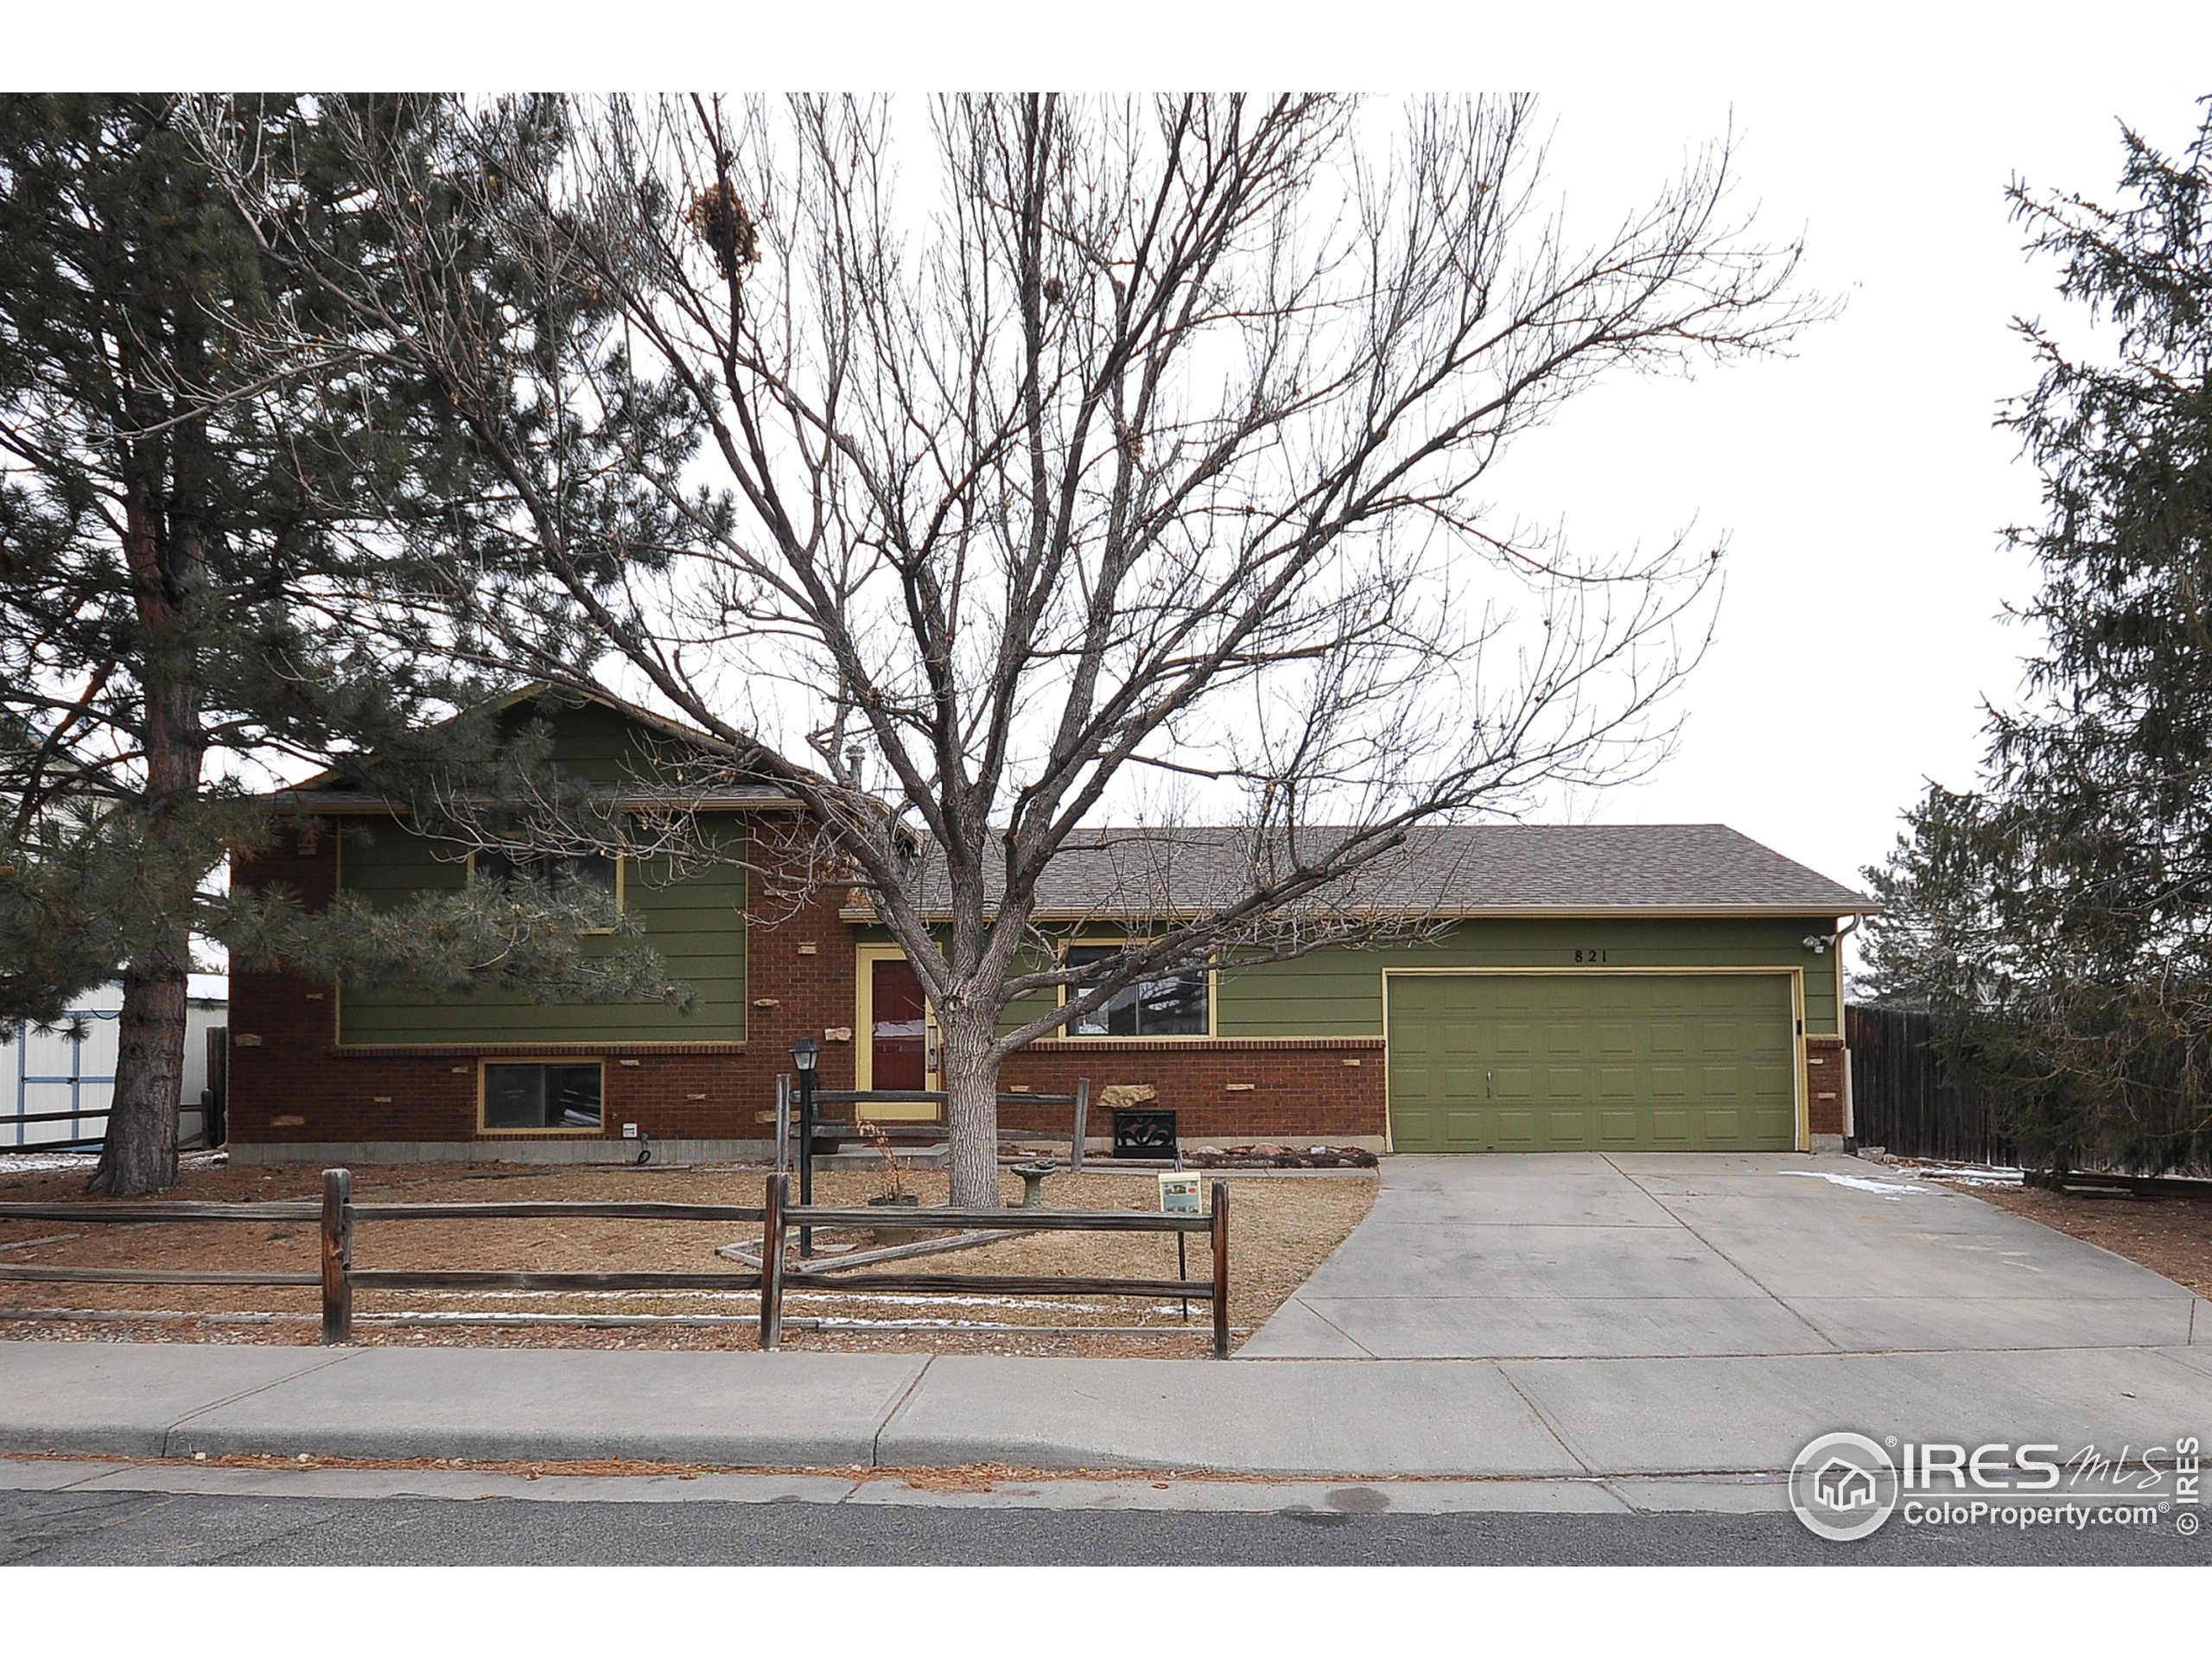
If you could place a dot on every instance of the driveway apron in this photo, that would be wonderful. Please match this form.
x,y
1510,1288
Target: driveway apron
x,y
1584,1255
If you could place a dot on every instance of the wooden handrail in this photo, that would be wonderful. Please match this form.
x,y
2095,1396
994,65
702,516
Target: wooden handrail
x,y
489,1278
924,1097
560,1208
160,1209
1016,1284
55,1117
1030,1221
25,1274
784,1115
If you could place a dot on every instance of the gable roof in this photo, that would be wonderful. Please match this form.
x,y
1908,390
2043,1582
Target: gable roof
x,y
329,792
1486,869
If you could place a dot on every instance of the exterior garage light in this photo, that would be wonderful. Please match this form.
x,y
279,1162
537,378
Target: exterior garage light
x,y
1816,943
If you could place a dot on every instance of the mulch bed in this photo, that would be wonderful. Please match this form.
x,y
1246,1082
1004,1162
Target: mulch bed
x,y
1280,1230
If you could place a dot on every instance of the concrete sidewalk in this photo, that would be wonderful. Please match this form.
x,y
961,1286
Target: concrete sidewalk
x,y
1476,1419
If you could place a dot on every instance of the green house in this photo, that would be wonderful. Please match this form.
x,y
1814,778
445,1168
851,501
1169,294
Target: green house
x,y
1524,988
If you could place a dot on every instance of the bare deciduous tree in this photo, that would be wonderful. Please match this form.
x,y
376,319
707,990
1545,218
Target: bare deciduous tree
x,y
1112,457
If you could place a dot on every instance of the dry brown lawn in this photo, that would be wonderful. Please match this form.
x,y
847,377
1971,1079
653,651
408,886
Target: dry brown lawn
x,y
1282,1228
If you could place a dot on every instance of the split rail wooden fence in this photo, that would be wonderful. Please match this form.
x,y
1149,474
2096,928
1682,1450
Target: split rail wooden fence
x,y
338,1278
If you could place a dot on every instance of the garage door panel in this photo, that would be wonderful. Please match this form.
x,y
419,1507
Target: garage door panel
x,y
1515,1129
1619,1129
1611,1061
1617,1037
1566,1082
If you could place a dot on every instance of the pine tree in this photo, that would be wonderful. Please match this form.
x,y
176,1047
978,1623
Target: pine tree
x,y
206,573
2060,916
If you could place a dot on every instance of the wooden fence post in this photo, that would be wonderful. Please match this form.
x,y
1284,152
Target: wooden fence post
x,y
337,1255
771,1261
1220,1269
1081,1122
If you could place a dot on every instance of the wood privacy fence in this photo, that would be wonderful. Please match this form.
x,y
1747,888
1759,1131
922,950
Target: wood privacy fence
x,y
1902,1100
338,1213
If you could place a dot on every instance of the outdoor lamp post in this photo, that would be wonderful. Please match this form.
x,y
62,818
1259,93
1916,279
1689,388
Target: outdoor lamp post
x,y
804,1053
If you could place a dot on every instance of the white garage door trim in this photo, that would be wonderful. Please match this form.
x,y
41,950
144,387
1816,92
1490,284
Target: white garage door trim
x,y
1795,975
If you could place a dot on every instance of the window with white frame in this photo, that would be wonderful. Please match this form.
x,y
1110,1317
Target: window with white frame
x,y
1172,1003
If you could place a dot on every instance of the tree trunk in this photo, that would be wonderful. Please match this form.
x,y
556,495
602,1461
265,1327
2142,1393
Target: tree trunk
x,y
971,1113
140,1154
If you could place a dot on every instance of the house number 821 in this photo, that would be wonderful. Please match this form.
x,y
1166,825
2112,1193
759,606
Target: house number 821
x,y
1590,955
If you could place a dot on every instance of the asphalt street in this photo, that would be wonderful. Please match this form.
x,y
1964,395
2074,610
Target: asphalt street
x,y
159,1528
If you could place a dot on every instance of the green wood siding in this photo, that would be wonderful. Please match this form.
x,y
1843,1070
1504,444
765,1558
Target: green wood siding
x,y
1337,992
590,740
696,924
1591,1061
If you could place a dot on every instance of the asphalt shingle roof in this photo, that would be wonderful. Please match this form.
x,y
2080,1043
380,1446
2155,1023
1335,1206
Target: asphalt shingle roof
x,y
1682,868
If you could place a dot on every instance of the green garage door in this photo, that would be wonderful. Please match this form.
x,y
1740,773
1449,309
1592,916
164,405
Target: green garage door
x,y
1591,1062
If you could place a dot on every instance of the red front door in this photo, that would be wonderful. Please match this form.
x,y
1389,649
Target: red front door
x,y
898,1038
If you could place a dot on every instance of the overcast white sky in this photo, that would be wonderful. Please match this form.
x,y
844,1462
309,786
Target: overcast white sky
x,y
1860,482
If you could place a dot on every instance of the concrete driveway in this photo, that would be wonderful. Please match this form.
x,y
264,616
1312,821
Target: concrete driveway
x,y
1683,1255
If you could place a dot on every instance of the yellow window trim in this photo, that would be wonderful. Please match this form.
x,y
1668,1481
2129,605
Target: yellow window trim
x,y
486,1061
1122,941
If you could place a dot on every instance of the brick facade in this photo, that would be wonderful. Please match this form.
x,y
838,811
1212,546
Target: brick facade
x,y
1824,1085
291,1084
1295,1091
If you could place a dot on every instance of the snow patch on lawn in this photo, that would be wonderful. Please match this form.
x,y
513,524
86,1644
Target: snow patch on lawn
x,y
1859,1183
15,1162
1969,1175
826,1293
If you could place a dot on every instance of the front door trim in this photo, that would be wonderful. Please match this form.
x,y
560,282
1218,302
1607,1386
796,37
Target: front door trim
x,y
865,958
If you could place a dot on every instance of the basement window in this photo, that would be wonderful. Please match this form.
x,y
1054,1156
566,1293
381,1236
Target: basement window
x,y
1175,1004
531,1094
